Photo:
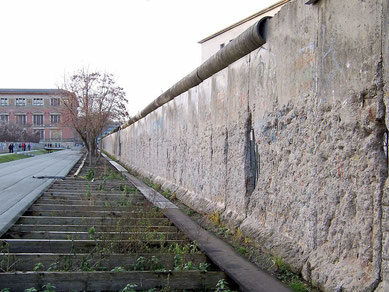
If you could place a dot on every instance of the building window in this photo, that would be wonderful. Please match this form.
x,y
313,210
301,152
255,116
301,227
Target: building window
x,y
20,102
56,134
55,101
3,101
4,118
38,120
37,101
55,119
41,133
21,119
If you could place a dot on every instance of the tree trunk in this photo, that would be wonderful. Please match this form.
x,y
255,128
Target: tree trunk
x,y
89,148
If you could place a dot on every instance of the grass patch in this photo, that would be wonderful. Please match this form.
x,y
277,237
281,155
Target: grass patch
x,y
39,152
109,155
298,286
12,157
114,175
15,156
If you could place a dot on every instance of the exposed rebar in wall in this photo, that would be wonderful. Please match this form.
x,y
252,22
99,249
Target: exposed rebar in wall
x,y
253,158
386,146
248,41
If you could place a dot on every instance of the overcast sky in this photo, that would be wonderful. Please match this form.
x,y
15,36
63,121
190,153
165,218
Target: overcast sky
x,y
147,44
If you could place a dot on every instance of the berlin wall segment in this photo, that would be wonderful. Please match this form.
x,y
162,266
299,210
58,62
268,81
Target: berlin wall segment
x,y
315,96
383,92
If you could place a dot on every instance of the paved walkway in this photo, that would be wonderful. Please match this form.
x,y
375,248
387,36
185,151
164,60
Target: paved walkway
x,y
18,188
19,152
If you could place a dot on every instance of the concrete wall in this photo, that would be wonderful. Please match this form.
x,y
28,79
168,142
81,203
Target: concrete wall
x,y
315,96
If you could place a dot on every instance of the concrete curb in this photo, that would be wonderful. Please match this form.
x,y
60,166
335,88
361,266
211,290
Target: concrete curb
x,y
9,218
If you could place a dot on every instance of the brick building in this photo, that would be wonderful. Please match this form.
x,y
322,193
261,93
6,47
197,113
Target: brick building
x,y
39,110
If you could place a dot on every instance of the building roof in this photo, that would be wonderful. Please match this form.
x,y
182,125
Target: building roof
x,y
280,3
30,91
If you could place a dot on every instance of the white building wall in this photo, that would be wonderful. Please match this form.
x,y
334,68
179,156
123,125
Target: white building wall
x,y
210,47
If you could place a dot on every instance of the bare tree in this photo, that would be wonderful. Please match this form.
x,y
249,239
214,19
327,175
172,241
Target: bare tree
x,y
93,100
17,133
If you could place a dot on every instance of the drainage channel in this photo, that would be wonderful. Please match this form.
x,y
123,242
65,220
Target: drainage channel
x,y
101,235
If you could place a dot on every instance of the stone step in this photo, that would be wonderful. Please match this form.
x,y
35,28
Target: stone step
x,y
112,281
80,213
51,207
81,246
72,262
85,228
91,221
92,202
86,235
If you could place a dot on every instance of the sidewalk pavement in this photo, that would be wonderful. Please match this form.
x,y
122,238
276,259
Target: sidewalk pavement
x,y
18,152
18,188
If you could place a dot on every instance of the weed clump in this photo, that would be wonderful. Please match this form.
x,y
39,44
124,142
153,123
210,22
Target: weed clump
x,y
129,288
90,175
222,286
215,218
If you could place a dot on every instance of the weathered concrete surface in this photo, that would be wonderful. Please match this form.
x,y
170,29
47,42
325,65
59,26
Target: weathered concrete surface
x,y
315,96
317,203
18,188
384,286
